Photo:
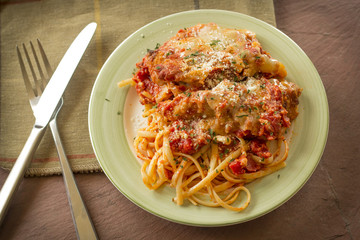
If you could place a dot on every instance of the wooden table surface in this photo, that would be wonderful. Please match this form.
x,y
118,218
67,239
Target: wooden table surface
x,y
327,207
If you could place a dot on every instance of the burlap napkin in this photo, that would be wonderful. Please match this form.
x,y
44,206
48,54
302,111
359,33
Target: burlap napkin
x,y
56,24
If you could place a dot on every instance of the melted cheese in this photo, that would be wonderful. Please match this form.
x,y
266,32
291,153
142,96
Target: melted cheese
x,y
197,55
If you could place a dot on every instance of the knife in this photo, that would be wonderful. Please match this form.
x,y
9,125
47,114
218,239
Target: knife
x,y
43,113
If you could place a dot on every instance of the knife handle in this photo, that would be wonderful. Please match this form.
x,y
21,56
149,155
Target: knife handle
x,y
18,170
82,221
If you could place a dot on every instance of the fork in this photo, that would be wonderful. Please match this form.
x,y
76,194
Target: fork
x,y
83,224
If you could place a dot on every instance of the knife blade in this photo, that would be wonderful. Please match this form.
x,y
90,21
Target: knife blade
x,y
43,113
59,80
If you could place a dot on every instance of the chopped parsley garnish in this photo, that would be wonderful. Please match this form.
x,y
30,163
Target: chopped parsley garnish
x,y
212,133
214,42
245,115
107,100
157,46
243,55
257,57
194,54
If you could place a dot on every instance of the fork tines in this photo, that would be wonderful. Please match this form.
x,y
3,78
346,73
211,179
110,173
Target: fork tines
x,y
34,89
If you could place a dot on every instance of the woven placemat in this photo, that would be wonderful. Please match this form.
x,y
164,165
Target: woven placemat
x,y
56,24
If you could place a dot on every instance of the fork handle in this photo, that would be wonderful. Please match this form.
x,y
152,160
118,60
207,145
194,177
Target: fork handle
x,y
83,224
18,170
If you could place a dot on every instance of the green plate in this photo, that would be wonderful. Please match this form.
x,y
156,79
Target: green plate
x,y
114,117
